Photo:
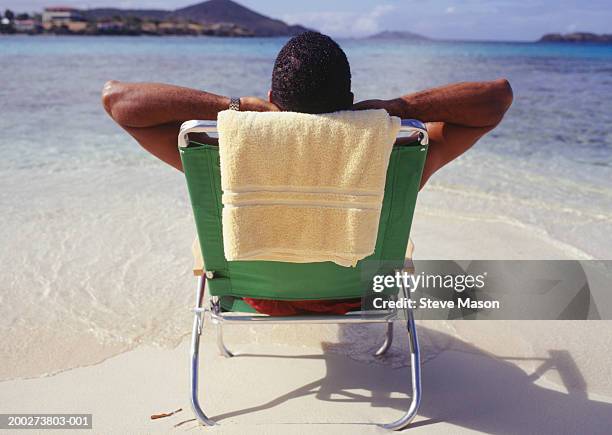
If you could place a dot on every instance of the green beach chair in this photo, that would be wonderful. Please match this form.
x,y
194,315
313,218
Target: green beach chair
x,y
230,281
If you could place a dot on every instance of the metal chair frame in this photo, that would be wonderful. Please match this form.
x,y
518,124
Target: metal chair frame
x,y
218,317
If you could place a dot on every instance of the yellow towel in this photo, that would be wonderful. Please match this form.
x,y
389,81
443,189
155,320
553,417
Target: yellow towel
x,y
303,188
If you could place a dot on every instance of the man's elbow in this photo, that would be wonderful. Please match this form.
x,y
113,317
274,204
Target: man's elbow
x,y
111,94
503,97
505,94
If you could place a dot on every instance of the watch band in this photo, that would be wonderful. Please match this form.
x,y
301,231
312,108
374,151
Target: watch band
x,y
234,104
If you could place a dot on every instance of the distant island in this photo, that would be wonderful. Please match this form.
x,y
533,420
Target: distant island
x,y
212,18
396,34
577,37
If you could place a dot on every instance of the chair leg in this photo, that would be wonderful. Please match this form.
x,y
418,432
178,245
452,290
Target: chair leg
x,y
388,340
415,367
195,355
224,351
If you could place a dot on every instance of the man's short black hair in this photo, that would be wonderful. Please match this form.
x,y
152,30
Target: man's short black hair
x,y
312,75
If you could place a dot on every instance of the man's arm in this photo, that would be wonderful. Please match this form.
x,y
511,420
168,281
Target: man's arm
x,y
153,112
457,115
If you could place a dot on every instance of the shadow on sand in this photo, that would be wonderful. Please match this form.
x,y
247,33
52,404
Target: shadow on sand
x,y
463,386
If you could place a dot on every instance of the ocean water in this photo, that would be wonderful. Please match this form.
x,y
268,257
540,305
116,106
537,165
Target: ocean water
x,y
96,234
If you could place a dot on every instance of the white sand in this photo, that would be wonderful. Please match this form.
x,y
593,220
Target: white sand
x,y
283,389
491,377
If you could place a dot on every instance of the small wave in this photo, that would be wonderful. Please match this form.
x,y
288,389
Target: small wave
x,y
537,231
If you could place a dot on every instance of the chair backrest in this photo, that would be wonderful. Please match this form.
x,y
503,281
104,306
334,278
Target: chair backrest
x,y
301,281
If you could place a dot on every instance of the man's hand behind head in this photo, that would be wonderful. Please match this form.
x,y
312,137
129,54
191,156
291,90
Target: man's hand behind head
x,y
255,104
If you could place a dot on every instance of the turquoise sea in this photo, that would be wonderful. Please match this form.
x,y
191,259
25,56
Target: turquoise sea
x,y
548,165
88,219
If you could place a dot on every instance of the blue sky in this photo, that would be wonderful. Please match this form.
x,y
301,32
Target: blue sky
x,y
448,19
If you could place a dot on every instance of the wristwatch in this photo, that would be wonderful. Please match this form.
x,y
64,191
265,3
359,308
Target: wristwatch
x,y
234,104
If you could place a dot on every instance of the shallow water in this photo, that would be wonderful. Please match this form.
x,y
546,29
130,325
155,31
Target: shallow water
x,y
96,234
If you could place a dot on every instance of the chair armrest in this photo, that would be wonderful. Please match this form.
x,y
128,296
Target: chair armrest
x,y
408,263
198,260
195,126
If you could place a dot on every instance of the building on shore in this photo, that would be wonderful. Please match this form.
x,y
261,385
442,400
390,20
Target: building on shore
x,y
61,17
149,28
61,20
110,26
28,25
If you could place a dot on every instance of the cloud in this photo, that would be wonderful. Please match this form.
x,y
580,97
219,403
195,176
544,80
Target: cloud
x,y
370,22
451,10
343,23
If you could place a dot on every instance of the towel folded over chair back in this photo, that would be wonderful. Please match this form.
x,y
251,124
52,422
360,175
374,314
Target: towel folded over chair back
x,y
303,188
